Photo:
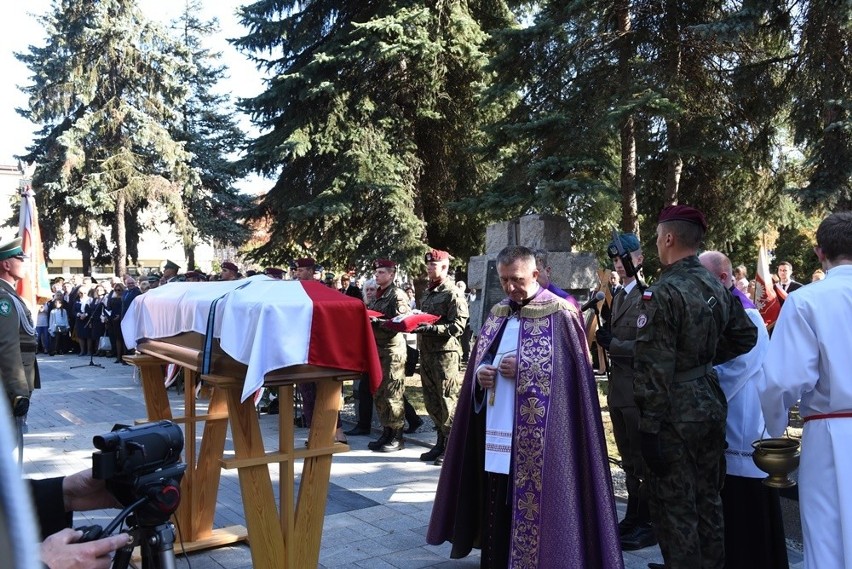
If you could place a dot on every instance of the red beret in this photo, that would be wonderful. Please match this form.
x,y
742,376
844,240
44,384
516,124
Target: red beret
x,y
274,272
305,262
192,274
230,266
384,263
437,255
683,213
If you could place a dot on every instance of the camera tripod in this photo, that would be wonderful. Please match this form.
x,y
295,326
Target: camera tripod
x,y
147,519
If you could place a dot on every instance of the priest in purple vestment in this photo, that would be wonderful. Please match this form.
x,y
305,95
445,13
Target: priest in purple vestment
x,y
526,477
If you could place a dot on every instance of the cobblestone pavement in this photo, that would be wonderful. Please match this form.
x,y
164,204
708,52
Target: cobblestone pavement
x,y
378,505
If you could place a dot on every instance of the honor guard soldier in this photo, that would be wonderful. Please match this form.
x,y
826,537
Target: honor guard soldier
x,y
440,348
687,322
18,344
618,338
391,301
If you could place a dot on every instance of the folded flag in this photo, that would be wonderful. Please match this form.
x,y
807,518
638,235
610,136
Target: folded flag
x,y
409,321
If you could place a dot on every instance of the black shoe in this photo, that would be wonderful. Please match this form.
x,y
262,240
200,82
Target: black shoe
x,y
656,566
626,526
357,432
639,538
437,450
387,434
395,442
439,461
412,427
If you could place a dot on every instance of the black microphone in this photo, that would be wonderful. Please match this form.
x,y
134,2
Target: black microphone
x,y
599,296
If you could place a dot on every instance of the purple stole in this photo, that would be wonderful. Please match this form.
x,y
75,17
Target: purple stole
x,y
532,402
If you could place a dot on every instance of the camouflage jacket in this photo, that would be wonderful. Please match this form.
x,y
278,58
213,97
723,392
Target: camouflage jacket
x,y
446,301
687,322
393,302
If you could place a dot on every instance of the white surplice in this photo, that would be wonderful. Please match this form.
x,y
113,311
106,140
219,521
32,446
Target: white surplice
x,y
810,357
500,416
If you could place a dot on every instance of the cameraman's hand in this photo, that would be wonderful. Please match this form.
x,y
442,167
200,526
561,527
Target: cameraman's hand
x,y
82,493
60,550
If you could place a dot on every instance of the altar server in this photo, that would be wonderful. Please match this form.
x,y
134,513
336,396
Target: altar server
x,y
810,357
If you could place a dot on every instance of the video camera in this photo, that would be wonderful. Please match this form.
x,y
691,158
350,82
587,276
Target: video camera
x,y
141,462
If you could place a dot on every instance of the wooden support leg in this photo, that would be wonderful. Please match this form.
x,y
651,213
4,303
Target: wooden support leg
x,y
264,530
313,487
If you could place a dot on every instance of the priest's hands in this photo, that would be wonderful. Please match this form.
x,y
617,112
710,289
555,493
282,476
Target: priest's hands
x,y
486,376
508,366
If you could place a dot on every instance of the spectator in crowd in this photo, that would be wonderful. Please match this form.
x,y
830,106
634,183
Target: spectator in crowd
x,y
544,277
82,320
42,322
113,323
785,284
58,327
741,281
817,275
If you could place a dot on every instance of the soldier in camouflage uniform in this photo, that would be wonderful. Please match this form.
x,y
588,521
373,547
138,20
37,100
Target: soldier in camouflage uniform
x,y
391,301
687,322
440,348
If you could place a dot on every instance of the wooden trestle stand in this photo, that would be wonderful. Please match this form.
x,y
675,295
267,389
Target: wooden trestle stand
x,y
287,537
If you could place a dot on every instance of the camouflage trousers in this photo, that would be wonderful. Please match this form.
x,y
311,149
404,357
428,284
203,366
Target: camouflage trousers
x,y
686,506
439,375
388,398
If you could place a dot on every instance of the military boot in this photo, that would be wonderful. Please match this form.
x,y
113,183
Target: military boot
x,y
387,433
437,450
395,443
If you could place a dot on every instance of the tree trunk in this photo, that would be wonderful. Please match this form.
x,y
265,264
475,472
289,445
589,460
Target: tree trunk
x,y
189,252
120,234
675,163
629,208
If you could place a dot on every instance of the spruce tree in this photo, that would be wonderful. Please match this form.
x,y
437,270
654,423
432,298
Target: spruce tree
x,y
213,139
104,90
369,124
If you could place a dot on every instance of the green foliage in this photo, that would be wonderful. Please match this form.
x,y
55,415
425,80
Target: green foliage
x,y
370,125
104,89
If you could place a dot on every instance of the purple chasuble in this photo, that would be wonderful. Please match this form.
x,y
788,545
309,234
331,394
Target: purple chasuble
x,y
562,504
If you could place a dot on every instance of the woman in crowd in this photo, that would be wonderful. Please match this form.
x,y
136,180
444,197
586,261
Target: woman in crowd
x,y
98,320
82,321
58,327
114,321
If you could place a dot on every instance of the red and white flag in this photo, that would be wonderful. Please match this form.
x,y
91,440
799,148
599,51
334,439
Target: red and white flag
x,y
34,288
764,291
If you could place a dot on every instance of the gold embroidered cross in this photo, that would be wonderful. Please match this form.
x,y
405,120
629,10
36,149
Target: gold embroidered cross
x,y
534,326
528,505
532,409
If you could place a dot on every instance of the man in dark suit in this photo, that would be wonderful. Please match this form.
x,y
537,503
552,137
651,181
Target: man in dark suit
x,y
785,284
618,338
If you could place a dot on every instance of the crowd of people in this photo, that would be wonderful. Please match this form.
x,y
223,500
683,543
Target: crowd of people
x,y
695,378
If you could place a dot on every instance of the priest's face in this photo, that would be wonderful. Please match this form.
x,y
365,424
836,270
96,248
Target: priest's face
x,y
519,279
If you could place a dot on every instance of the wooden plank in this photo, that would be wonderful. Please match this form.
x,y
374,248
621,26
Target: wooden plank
x,y
316,471
205,488
267,541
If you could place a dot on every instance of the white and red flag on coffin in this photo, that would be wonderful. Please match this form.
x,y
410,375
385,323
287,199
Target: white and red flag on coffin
x,y
265,323
34,288
764,291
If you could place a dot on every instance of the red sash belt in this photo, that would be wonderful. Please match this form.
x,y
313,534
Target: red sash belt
x,y
844,415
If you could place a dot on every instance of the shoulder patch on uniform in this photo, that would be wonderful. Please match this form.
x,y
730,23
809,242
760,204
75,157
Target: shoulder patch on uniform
x,y
647,295
5,307
641,320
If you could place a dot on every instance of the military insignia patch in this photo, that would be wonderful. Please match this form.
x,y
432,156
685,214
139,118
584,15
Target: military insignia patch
x,y
641,321
5,307
647,295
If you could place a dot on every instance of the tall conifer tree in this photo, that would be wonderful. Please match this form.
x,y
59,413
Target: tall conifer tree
x,y
370,124
104,90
